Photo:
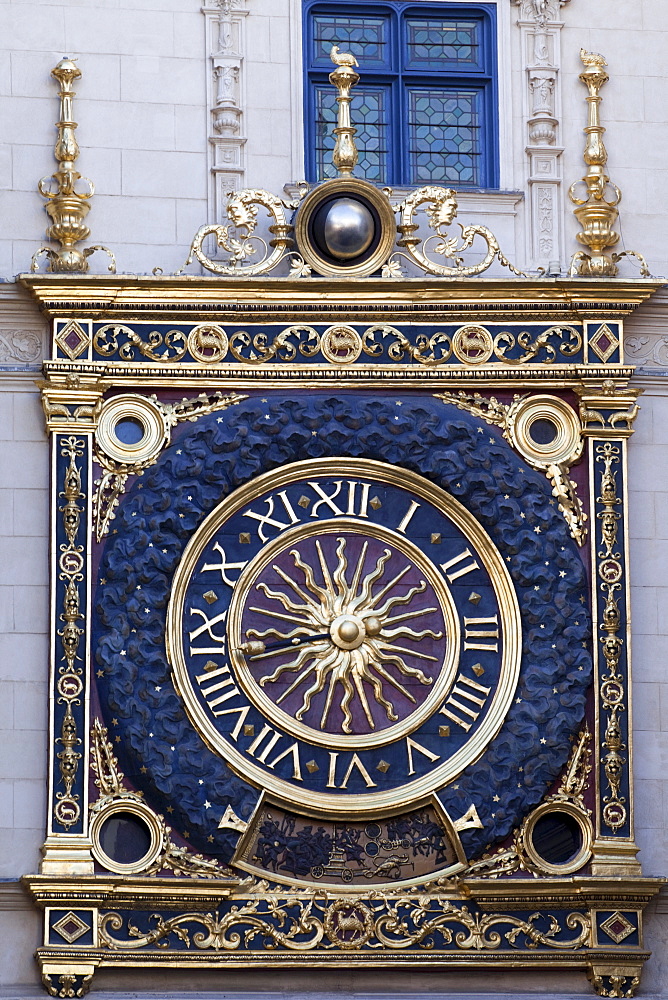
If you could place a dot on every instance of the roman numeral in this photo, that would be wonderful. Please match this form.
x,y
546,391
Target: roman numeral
x,y
405,521
328,498
464,694
463,570
222,681
223,565
412,745
208,625
257,742
355,763
478,633
269,519
273,738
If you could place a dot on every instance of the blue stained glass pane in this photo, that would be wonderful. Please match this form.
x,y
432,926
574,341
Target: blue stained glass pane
x,y
432,42
365,37
444,136
369,114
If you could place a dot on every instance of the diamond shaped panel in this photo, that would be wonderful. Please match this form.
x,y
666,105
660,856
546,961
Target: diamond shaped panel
x,y
617,927
71,927
72,340
604,343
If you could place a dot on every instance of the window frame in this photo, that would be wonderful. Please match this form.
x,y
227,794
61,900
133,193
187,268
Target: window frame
x,y
397,78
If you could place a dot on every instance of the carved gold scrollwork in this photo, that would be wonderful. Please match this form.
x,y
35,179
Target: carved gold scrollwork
x,y
300,924
472,344
441,210
614,983
240,241
569,798
69,685
255,349
612,690
596,405
563,339
168,347
70,985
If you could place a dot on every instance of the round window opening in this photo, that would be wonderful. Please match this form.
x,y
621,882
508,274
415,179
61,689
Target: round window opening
x,y
557,838
129,430
125,838
543,431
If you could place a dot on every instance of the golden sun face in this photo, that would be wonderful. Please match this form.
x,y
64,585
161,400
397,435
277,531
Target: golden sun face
x,y
345,632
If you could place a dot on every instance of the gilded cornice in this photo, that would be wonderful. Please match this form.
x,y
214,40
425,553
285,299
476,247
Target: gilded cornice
x,y
100,296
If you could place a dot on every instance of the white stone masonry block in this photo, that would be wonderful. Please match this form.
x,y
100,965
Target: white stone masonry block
x,y
24,657
650,754
23,560
24,758
646,707
642,523
151,174
129,125
7,608
28,417
23,27
31,507
122,220
131,31
6,707
644,610
31,706
31,607
160,78
649,558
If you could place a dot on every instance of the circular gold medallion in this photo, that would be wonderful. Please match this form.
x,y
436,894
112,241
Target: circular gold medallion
x,y
345,635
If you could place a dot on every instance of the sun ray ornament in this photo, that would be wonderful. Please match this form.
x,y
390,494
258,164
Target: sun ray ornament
x,y
346,647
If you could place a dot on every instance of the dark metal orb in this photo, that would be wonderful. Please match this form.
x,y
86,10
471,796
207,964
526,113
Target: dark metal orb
x,y
344,228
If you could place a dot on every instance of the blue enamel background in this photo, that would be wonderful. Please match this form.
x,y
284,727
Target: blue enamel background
x,y
209,459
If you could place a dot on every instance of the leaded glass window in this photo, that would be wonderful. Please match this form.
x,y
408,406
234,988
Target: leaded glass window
x,y
425,107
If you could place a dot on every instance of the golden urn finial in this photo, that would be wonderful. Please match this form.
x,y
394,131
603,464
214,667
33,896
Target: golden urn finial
x,y
66,206
596,213
344,79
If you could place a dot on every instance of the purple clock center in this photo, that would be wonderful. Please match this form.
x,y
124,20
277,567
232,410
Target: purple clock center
x,y
344,632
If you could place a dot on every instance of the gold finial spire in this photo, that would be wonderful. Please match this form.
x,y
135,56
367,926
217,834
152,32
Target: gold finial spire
x,y
344,79
596,213
67,207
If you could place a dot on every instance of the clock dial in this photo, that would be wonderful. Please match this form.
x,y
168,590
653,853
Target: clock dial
x,y
362,638
345,634
319,707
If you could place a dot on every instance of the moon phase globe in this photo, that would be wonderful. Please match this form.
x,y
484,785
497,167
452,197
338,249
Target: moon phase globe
x,y
343,228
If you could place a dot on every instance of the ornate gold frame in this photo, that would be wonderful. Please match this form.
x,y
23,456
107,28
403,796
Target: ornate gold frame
x,y
478,900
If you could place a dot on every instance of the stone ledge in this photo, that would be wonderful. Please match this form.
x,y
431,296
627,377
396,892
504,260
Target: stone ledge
x,y
14,897
30,992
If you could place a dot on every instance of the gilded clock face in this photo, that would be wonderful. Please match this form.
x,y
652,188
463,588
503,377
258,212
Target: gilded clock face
x,y
344,634
353,604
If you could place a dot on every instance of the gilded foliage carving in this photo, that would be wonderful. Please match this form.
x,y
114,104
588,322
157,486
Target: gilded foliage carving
x,y
298,923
